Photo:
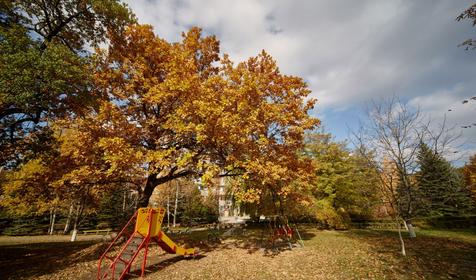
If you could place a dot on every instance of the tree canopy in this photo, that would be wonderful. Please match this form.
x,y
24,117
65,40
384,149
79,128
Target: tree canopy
x,y
345,185
170,110
45,65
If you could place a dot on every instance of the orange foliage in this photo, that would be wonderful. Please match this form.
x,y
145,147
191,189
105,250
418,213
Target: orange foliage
x,y
178,109
469,171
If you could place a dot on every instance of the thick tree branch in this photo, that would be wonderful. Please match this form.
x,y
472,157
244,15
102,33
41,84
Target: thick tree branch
x,y
58,29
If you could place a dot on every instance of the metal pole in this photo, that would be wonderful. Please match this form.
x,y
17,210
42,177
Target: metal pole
x,y
299,235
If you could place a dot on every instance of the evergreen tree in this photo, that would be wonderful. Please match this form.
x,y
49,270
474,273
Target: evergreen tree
x,y
441,185
116,208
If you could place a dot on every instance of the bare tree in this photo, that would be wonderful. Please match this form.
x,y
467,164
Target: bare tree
x,y
390,139
395,132
441,138
390,194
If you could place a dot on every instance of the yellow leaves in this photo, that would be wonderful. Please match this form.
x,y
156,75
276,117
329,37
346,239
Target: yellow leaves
x,y
159,159
176,107
207,177
210,172
304,203
284,191
164,160
185,159
249,195
262,140
119,155
28,172
78,176
27,190
268,171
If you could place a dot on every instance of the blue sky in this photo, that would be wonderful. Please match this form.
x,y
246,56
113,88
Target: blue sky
x,y
349,52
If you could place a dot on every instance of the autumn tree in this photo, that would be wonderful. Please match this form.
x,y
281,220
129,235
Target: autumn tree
x,y
72,181
469,172
393,133
339,185
179,110
173,110
45,66
28,191
345,186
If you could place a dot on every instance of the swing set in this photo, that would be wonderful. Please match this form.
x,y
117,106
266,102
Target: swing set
x,y
279,229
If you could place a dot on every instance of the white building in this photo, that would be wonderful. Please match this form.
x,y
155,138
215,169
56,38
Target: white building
x,y
228,209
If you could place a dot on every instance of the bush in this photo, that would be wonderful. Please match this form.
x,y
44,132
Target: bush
x,y
25,226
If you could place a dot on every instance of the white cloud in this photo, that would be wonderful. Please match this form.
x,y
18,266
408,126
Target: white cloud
x,y
447,105
348,51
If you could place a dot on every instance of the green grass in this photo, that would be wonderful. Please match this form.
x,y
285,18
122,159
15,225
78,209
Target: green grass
x,y
437,253
466,235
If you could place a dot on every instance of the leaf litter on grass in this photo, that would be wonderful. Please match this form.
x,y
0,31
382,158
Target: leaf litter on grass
x,y
326,255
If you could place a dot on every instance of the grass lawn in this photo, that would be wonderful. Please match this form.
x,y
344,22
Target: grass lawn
x,y
353,254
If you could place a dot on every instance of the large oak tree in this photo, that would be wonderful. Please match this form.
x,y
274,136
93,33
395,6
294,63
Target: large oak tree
x,y
172,110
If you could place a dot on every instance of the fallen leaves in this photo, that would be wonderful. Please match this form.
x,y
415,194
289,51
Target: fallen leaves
x,y
326,255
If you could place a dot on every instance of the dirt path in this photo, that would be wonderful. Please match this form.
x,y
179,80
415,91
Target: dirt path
x,y
16,240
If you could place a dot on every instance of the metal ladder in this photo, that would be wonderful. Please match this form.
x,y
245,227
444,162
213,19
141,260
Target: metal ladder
x,y
119,265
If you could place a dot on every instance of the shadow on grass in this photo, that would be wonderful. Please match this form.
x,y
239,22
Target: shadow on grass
x,y
253,239
157,263
36,259
429,256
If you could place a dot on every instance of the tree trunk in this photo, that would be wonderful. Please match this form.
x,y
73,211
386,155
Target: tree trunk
x,y
76,221
150,185
411,230
405,224
176,203
124,202
168,211
74,234
401,238
52,221
68,220
409,227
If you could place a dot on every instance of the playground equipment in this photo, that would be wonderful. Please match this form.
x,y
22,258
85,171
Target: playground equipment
x,y
147,228
213,234
279,229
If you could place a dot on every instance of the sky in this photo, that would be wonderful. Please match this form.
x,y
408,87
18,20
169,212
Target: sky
x,y
349,52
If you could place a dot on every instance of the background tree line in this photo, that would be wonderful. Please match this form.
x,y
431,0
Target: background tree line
x,y
97,112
